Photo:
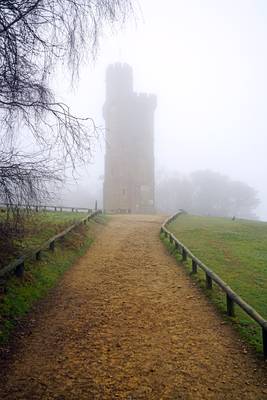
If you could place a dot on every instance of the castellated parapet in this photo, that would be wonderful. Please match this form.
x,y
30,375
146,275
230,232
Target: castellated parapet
x,y
129,158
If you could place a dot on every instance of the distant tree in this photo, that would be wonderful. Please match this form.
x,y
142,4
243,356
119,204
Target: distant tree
x,y
173,192
244,200
210,193
207,193
218,195
35,35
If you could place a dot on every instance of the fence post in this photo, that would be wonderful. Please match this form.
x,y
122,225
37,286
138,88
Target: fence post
x,y
264,341
171,239
177,247
52,246
208,282
19,271
230,306
194,267
184,254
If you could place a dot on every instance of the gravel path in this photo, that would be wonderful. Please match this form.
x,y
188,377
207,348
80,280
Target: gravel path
x,y
127,323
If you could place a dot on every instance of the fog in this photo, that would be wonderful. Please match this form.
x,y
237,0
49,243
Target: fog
x,y
206,61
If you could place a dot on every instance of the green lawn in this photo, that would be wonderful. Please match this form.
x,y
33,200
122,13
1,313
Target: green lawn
x,y
237,252
37,228
43,225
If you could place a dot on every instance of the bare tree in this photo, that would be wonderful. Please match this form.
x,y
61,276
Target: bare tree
x,y
34,36
24,177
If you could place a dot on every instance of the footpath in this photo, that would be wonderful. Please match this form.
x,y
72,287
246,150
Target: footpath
x,y
126,322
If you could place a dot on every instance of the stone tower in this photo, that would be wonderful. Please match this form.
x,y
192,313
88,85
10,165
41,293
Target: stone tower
x,y
129,158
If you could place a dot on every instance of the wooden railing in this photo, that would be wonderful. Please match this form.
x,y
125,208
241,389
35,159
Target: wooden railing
x,y
45,207
231,297
17,266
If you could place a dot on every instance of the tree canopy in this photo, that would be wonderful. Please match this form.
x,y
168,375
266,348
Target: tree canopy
x,y
207,193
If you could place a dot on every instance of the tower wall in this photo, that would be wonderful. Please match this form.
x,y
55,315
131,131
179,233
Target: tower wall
x,y
119,81
129,158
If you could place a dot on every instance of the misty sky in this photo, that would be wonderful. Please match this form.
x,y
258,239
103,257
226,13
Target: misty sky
x,y
206,60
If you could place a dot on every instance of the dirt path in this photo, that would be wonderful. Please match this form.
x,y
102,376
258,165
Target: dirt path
x,y
127,323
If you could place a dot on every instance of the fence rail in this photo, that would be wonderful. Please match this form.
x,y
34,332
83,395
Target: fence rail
x,y
45,207
17,266
231,297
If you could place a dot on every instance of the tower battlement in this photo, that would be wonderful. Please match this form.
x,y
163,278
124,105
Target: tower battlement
x,y
119,67
146,99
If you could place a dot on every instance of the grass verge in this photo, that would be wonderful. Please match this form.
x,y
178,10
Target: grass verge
x,y
236,251
32,230
20,294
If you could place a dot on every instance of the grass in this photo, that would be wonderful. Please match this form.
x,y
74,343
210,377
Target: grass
x,y
41,276
36,229
44,225
237,252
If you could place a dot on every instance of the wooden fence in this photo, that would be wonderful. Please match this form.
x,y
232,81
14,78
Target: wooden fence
x,y
17,266
42,207
231,297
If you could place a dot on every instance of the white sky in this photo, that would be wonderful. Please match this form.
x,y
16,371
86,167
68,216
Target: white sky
x,y
206,60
